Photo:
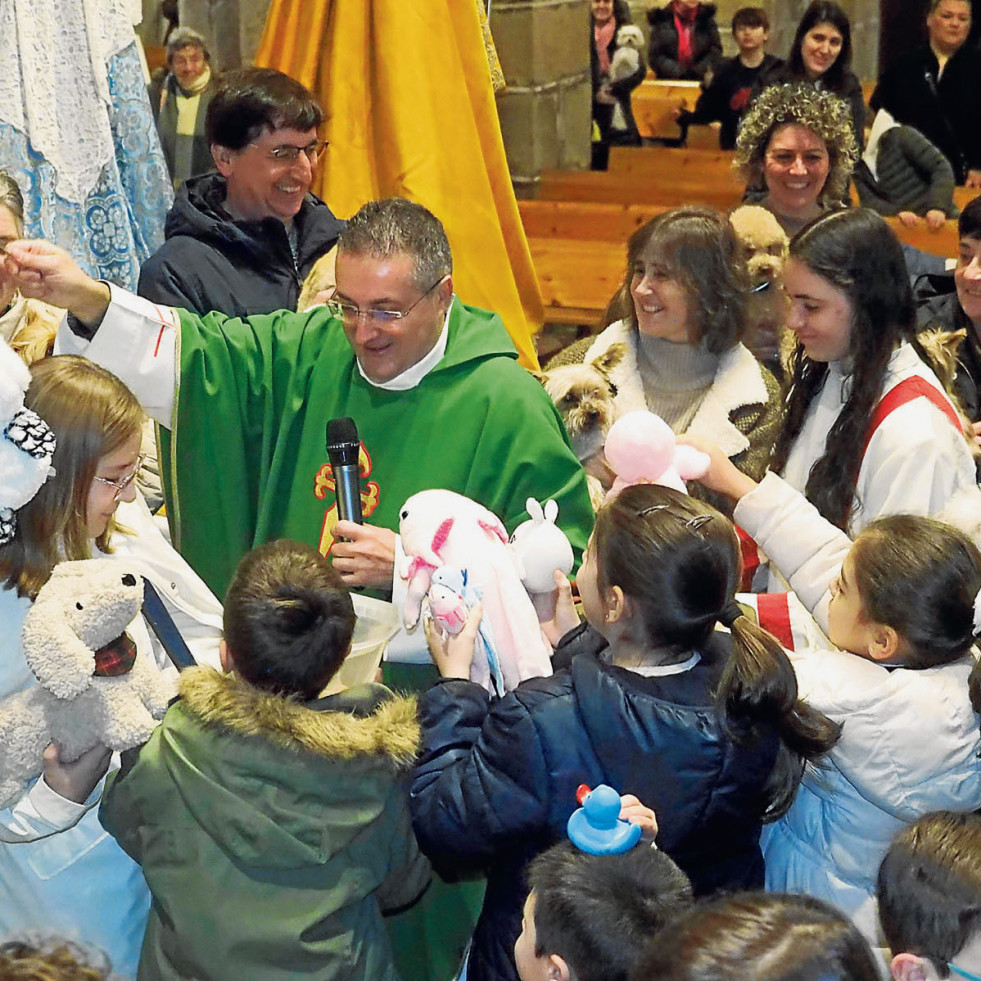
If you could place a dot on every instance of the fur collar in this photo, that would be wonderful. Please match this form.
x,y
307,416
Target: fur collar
x,y
392,728
738,382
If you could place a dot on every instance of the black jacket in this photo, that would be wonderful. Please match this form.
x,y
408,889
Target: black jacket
x,y
947,112
496,783
726,98
213,262
706,45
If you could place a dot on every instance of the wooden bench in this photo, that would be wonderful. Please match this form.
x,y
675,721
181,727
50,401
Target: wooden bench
x,y
942,242
613,188
655,105
577,278
963,196
585,220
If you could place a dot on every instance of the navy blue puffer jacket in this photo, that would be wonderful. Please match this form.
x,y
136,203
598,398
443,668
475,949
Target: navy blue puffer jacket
x,y
496,782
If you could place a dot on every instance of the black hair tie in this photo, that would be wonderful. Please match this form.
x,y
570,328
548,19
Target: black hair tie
x,y
731,612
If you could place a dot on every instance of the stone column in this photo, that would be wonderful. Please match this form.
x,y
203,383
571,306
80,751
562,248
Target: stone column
x,y
545,110
222,23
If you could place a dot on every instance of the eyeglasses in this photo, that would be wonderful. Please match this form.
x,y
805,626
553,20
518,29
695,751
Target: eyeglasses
x,y
350,313
287,154
961,973
123,482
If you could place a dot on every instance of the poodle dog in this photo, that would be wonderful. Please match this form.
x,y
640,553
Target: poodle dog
x,y
584,396
762,249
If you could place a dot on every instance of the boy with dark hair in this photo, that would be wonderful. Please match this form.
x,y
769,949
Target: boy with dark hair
x,y
271,824
929,892
588,917
727,95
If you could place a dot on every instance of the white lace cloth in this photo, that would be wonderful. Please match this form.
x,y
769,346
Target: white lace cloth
x,y
54,85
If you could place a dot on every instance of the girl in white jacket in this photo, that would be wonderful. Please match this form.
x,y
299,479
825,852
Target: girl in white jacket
x,y
60,872
869,429
901,607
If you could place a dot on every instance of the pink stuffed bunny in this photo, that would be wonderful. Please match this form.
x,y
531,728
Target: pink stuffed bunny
x,y
641,449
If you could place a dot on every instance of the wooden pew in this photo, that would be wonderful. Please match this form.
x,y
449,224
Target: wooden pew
x,y
942,242
655,104
679,163
577,278
965,195
612,188
585,220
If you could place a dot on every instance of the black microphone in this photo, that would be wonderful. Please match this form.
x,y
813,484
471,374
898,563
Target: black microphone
x,y
342,451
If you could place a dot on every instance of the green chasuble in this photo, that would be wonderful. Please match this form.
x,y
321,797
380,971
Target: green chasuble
x,y
246,461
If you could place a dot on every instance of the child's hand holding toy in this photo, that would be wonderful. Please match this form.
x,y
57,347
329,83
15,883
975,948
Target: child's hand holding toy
x,y
453,654
722,475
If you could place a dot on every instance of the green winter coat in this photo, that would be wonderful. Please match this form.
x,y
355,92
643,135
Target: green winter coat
x,y
273,835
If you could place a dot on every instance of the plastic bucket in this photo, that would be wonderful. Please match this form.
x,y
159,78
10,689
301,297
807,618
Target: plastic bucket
x,y
377,624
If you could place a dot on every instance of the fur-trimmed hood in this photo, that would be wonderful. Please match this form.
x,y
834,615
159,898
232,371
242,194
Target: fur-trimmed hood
x,y
738,382
344,733
274,783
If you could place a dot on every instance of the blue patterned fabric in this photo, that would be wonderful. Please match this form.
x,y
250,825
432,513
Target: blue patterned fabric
x,y
121,222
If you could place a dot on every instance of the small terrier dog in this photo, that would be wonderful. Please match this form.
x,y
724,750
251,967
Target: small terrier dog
x,y
584,394
942,348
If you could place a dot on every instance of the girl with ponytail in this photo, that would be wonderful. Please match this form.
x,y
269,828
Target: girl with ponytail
x,y
700,723
901,607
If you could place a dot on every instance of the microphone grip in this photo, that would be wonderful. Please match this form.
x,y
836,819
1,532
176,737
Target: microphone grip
x,y
347,481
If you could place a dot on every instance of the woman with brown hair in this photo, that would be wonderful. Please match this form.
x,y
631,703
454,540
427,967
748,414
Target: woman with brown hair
x,y
680,316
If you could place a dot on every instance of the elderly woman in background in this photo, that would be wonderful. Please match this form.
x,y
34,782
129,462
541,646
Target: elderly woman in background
x,y
182,104
680,316
28,326
796,150
937,89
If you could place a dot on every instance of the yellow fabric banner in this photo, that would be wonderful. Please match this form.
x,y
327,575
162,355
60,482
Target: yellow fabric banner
x,y
410,112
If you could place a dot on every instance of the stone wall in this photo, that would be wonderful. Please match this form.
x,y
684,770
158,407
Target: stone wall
x,y
545,110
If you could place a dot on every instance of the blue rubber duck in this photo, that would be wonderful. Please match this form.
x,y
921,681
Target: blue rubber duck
x,y
596,828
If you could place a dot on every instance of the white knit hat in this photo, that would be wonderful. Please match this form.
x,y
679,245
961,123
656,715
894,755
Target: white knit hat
x,y
26,443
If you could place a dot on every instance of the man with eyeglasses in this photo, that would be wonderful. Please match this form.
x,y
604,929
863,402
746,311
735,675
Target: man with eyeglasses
x,y
242,239
432,384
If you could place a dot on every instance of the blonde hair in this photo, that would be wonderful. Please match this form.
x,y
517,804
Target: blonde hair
x,y
92,414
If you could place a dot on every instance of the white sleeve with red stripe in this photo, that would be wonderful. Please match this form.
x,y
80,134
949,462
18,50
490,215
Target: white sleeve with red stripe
x,y
806,549
137,342
784,616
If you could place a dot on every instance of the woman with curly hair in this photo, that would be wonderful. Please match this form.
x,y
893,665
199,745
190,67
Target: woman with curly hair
x,y
674,340
869,429
796,150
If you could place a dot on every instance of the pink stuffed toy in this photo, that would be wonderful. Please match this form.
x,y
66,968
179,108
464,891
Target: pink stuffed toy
x,y
641,449
441,528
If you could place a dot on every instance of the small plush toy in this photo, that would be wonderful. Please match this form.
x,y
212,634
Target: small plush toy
x,y
596,827
451,597
93,685
541,547
441,528
26,443
641,449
